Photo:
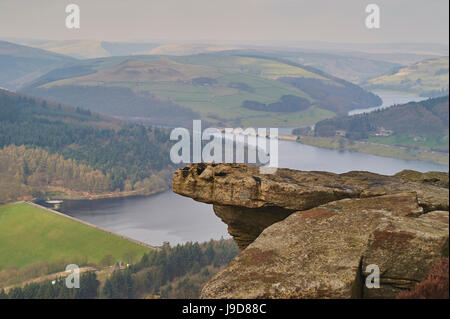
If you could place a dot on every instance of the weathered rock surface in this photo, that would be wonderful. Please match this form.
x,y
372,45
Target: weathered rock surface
x,y
245,224
404,249
243,197
433,178
312,234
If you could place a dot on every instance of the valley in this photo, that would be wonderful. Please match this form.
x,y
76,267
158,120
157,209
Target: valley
x,y
88,122
212,87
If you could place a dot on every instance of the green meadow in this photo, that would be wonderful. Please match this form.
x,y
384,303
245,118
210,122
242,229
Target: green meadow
x,y
30,235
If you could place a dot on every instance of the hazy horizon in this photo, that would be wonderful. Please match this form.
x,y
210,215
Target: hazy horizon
x,y
257,22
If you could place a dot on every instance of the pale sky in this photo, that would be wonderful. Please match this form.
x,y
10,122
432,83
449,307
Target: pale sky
x,y
423,21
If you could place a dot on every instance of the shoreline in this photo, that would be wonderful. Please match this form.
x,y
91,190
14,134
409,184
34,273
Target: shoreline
x,y
88,198
382,150
129,194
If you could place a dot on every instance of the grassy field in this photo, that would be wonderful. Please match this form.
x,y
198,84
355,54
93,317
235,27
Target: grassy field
x,y
29,235
308,117
224,102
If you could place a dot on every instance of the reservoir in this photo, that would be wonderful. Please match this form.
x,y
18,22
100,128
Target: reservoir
x,y
168,217
389,99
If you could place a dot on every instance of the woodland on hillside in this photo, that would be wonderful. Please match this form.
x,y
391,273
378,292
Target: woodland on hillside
x,y
31,171
424,122
75,149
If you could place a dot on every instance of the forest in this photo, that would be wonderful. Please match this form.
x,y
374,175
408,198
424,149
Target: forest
x,y
118,156
31,171
118,101
287,103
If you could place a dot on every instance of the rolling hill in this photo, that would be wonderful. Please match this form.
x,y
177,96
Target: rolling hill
x,y
91,49
20,64
351,62
355,69
425,78
78,49
213,87
187,49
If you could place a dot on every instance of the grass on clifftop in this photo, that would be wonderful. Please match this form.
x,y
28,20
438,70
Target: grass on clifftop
x,y
30,235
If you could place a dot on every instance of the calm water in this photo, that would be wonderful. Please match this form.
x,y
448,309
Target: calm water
x,y
310,158
389,100
154,219
176,219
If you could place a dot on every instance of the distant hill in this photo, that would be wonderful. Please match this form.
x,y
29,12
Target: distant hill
x,y
187,49
90,49
48,148
79,49
172,90
355,69
352,62
424,123
425,78
20,64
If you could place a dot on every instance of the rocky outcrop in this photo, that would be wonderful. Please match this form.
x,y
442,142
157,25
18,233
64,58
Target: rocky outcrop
x,y
248,201
314,234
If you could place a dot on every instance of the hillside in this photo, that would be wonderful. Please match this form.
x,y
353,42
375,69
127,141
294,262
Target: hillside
x,y
34,242
74,152
213,87
79,49
421,123
425,78
20,64
415,131
187,49
355,69
171,272
90,49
